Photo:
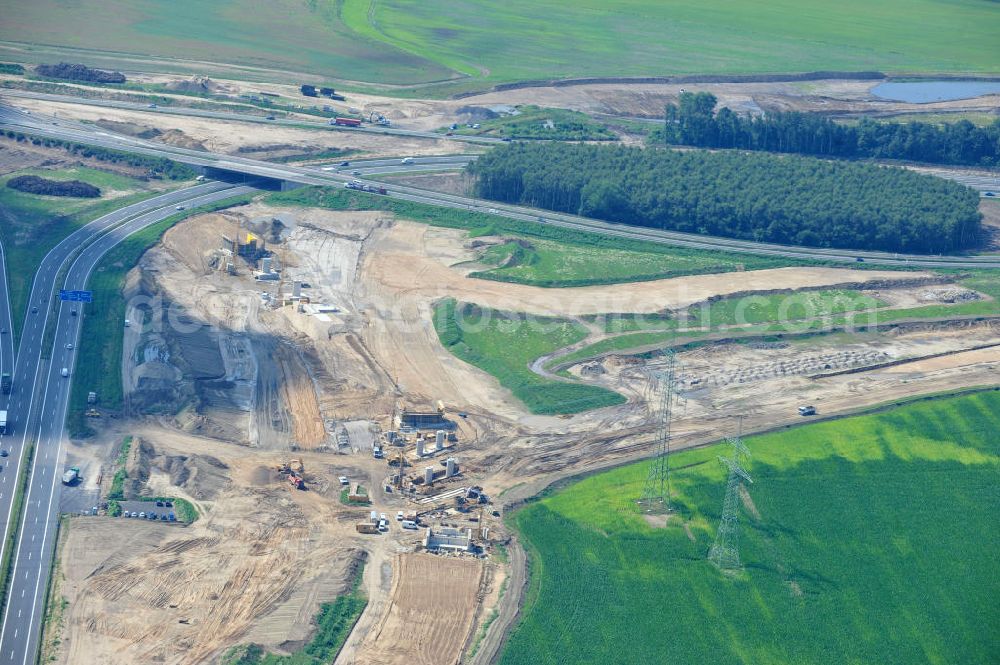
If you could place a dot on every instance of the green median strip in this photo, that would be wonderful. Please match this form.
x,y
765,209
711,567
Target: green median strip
x,y
16,514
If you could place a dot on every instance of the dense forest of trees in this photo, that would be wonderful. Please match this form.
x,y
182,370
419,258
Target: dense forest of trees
x,y
763,197
33,184
694,121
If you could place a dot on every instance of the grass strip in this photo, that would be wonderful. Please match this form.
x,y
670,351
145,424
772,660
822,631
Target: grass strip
x,y
16,516
504,344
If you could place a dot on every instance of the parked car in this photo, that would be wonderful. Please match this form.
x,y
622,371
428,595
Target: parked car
x,y
399,516
135,514
159,503
142,515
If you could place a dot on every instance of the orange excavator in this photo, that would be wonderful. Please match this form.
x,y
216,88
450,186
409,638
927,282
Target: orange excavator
x,y
295,470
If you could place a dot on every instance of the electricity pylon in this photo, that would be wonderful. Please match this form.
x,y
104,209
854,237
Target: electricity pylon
x,y
656,491
725,552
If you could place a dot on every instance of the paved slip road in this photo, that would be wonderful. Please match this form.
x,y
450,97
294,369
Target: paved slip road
x,y
43,126
40,399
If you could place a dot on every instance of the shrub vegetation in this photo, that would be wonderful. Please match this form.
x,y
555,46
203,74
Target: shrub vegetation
x,y
33,184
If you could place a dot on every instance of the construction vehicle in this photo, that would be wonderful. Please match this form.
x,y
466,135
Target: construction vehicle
x,y
361,187
5,383
397,479
71,475
92,413
295,470
346,122
366,527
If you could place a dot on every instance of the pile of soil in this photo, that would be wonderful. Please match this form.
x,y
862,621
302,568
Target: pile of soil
x,y
196,84
78,72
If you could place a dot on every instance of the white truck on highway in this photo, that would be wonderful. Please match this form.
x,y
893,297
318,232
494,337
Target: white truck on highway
x,y
3,422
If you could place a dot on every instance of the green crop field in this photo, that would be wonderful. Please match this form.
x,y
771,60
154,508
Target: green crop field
x,y
530,39
290,35
32,224
870,539
504,344
409,42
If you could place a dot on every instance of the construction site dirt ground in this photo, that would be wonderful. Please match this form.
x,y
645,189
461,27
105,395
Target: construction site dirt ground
x,y
262,557
427,620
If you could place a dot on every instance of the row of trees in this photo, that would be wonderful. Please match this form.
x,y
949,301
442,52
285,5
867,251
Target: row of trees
x,y
763,197
694,121
156,167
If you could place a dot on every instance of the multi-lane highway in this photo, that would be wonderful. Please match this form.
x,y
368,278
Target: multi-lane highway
x,y
40,398
384,166
245,117
313,176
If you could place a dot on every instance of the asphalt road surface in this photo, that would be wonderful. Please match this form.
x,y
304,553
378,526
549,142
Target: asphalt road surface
x,y
246,117
44,126
40,398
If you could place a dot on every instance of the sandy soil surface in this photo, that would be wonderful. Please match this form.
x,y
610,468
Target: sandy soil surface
x,y
257,564
430,612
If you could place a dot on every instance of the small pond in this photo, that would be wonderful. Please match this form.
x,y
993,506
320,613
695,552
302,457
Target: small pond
x,y
923,92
